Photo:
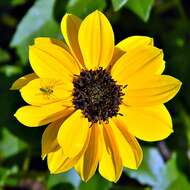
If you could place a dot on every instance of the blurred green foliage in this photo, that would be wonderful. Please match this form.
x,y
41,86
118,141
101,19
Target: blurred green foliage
x,y
141,7
166,165
158,174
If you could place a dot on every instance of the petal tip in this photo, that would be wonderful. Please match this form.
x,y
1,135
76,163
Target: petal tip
x,y
31,49
15,115
96,13
13,87
151,42
85,179
51,172
180,83
43,156
30,46
66,16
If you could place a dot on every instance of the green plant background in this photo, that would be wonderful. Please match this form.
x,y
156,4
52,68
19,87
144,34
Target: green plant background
x,y
166,165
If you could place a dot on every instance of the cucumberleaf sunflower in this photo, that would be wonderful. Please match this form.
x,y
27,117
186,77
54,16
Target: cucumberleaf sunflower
x,y
96,97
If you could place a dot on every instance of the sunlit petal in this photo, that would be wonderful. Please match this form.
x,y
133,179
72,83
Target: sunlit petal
x,y
33,116
19,83
129,148
73,134
49,138
157,90
44,91
137,65
147,123
110,165
88,163
96,40
129,44
70,26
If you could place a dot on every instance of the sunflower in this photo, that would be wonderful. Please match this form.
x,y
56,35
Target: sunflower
x,y
96,98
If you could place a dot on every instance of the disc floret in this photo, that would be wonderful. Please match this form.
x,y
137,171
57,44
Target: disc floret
x,y
97,95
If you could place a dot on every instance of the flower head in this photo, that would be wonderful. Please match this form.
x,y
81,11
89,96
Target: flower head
x,y
96,97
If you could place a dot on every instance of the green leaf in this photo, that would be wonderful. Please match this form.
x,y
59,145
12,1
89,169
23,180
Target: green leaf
x,y
142,8
37,16
180,183
37,22
10,144
12,2
172,176
128,186
5,173
97,182
154,172
10,70
17,2
4,55
83,8
49,29
149,171
118,4
70,177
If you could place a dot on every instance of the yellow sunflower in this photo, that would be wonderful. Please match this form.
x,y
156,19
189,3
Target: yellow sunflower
x,y
96,97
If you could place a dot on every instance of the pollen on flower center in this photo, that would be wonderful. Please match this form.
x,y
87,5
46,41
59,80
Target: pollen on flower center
x,y
97,95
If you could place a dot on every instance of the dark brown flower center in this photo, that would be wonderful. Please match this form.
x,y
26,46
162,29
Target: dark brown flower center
x,y
97,95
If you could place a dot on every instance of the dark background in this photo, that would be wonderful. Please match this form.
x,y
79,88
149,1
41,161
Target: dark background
x,y
166,165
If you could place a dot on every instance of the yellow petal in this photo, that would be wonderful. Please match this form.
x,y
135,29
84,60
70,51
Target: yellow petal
x,y
19,83
49,138
96,40
44,91
157,90
129,44
129,148
58,162
110,165
33,116
70,26
147,123
43,41
134,42
138,64
88,163
47,65
73,134
56,50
